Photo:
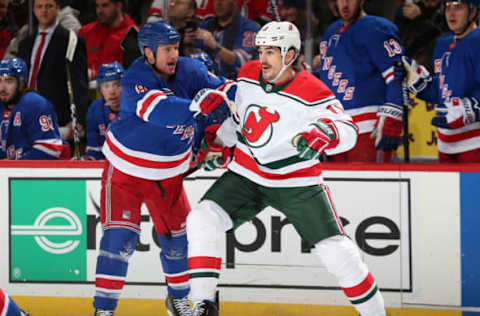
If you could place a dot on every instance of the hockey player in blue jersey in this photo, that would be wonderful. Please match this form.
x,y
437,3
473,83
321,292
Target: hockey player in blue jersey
x,y
147,149
455,87
8,307
28,125
357,54
103,111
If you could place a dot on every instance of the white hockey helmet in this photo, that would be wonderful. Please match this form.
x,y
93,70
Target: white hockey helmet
x,y
284,35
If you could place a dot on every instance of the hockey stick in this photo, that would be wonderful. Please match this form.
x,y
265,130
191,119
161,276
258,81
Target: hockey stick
x,y
274,7
406,104
72,44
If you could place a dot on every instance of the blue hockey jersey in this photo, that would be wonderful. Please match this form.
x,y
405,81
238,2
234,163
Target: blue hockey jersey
x,y
243,44
99,118
153,134
357,65
457,74
30,130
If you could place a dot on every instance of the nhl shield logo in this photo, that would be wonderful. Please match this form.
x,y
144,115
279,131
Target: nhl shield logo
x,y
258,125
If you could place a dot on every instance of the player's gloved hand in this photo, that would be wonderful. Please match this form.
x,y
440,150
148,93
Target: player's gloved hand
x,y
417,76
212,155
318,137
457,113
209,102
388,128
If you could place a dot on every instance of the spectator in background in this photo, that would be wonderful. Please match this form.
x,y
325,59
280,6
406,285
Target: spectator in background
x,y
228,38
105,35
103,111
420,25
67,17
8,27
181,15
258,10
45,54
28,125
357,56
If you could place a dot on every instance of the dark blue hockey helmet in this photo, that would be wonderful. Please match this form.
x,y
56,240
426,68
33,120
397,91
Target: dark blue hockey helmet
x,y
472,3
206,60
109,72
14,67
155,34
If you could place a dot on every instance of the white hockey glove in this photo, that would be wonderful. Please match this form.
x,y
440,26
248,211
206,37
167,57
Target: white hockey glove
x,y
457,113
417,76
318,137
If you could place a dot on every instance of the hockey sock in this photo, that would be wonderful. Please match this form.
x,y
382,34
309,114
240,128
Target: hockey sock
x,y
206,227
175,264
342,259
116,247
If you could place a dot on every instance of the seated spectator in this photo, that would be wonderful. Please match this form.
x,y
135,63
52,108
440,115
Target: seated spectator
x,y
259,10
228,38
103,111
8,27
420,25
105,35
45,54
181,15
28,125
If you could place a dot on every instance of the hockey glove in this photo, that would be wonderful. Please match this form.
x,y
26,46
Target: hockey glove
x,y
317,138
417,76
457,113
211,155
210,103
388,128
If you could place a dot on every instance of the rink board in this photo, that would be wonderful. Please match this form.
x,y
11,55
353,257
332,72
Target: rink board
x,y
408,224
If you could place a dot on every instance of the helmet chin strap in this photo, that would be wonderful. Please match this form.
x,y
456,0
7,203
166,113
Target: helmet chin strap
x,y
284,67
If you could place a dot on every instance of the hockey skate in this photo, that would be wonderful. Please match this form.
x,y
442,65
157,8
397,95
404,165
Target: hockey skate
x,y
178,306
205,308
101,312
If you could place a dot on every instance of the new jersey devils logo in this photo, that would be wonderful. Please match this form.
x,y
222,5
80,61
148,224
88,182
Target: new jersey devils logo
x,y
258,125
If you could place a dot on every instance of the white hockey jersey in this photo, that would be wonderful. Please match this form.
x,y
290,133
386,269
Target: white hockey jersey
x,y
269,117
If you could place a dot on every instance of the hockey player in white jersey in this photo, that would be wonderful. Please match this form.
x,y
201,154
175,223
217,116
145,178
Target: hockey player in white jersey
x,y
455,87
285,119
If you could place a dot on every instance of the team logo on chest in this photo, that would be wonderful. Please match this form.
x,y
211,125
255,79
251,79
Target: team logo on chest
x,y
258,125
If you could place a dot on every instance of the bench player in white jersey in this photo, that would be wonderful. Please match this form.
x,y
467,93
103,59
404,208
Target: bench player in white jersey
x,y
456,84
285,119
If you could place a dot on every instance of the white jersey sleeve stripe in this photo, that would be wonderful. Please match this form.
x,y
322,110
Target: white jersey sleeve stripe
x,y
388,75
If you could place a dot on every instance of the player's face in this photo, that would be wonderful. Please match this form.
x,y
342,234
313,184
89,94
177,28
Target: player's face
x,y
224,8
348,9
107,11
8,88
111,91
456,14
166,59
46,12
271,61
